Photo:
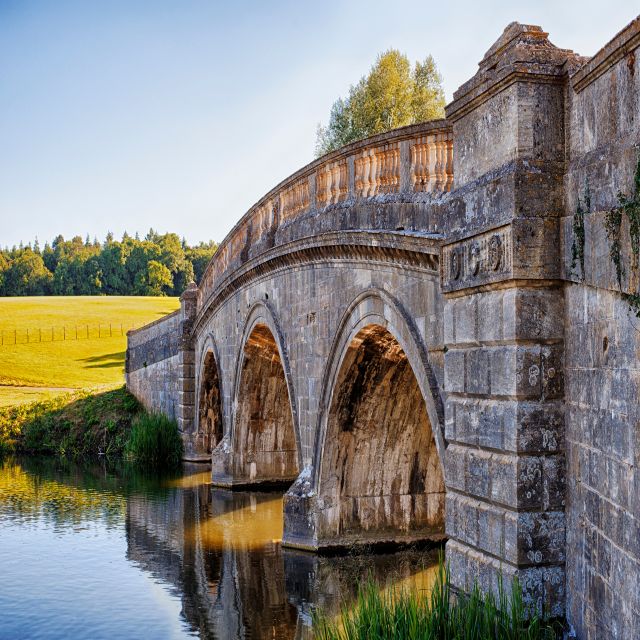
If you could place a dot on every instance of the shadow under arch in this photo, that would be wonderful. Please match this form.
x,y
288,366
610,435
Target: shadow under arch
x,y
209,422
378,472
263,443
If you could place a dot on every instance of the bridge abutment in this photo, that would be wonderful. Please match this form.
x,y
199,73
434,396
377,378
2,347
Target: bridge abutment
x,y
504,327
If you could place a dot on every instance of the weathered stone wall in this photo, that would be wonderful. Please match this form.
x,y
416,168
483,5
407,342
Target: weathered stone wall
x,y
152,364
602,357
305,326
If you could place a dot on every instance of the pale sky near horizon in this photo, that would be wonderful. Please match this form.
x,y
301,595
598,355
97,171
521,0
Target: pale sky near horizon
x,y
179,115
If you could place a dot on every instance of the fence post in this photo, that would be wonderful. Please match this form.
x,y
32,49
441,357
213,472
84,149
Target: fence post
x,y
87,332
64,332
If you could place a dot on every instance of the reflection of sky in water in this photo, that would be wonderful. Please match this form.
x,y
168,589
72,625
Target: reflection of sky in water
x,y
92,554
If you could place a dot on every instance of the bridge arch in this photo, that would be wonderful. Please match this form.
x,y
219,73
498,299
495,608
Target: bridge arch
x,y
379,471
209,422
263,441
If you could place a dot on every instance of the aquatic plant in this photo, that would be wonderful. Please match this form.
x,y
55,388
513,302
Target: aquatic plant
x,y
440,615
154,441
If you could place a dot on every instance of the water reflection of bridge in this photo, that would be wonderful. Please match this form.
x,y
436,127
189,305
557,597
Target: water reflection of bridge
x,y
220,553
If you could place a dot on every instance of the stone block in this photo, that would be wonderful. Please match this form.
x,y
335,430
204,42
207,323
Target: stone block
x,y
466,320
504,480
478,473
187,356
450,419
477,367
187,385
455,463
535,314
490,316
492,417
187,398
539,427
454,371
541,538
504,378
449,322
530,486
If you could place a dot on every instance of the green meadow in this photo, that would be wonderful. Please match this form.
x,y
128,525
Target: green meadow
x,y
58,344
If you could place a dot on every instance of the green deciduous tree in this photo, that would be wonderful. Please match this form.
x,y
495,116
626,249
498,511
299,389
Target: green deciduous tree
x,y
27,275
158,279
392,95
161,264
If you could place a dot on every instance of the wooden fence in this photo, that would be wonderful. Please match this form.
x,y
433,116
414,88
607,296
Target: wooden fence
x,y
34,335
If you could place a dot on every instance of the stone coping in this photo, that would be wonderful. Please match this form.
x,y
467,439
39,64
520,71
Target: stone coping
x,y
623,43
146,327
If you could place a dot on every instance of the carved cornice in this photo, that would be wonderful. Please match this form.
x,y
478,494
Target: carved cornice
x,y
409,250
523,53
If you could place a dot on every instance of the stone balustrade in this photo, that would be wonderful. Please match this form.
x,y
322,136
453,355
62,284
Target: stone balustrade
x,y
411,160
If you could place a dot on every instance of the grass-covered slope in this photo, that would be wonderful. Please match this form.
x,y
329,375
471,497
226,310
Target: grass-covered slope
x,y
75,424
40,370
86,425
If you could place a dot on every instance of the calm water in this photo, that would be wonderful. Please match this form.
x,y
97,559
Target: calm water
x,y
95,553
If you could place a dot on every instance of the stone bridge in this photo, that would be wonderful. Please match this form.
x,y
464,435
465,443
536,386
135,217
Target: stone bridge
x,y
417,335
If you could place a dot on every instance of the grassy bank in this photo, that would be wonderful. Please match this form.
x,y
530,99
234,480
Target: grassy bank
x,y
436,616
87,425
42,369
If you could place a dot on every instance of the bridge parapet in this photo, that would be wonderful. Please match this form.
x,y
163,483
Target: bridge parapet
x,y
404,164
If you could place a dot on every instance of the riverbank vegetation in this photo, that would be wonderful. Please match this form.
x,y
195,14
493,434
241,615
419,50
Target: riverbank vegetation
x,y
85,426
52,345
439,615
154,441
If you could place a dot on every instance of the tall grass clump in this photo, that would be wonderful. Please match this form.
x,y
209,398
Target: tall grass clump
x,y
438,616
154,441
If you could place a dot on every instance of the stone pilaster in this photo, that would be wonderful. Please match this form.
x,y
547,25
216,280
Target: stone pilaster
x,y
185,414
504,325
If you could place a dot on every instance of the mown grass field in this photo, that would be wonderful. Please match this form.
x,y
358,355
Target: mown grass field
x,y
38,370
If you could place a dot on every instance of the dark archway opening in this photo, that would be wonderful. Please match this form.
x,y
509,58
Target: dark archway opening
x,y
381,475
210,430
264,442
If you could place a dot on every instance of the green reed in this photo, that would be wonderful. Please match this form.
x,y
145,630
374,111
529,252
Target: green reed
x,y
154,441
441,615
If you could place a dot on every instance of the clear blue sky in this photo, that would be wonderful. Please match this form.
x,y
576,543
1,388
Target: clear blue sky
x,y
127,114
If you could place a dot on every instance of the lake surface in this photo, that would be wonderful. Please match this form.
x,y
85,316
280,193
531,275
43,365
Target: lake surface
x,y
94,552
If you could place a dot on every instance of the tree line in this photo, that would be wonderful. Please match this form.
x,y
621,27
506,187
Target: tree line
x,y
157,265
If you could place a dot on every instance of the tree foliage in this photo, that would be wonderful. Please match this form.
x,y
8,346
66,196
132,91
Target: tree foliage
x,y
161,264
392,95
